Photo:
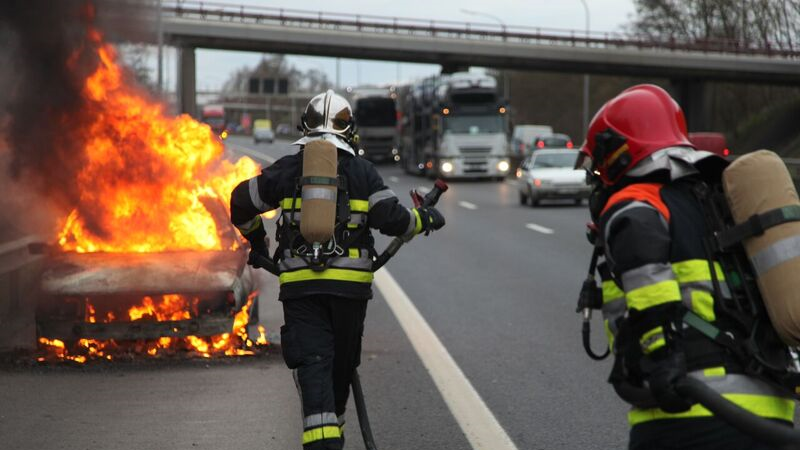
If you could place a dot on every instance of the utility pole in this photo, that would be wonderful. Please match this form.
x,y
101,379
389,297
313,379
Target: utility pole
x,y
586,79
338,74
160,31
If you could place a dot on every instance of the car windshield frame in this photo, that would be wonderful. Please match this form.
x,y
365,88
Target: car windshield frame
x,y
570,157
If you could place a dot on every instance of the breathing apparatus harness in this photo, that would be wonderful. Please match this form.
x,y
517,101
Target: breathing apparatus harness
x,y
319,256
745,331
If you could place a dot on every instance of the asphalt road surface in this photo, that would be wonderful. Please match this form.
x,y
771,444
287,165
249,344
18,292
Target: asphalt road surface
x,y
471,343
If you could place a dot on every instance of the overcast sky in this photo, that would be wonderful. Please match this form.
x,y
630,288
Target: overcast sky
x,y
214,67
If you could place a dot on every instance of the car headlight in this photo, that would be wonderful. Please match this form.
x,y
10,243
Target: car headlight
x,y
503,166
446,167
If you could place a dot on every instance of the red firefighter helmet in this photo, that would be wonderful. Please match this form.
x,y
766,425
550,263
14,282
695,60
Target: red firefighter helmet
x,y
630,127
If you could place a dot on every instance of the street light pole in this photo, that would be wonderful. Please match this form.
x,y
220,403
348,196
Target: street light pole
x,y
586,79
160,31
503,26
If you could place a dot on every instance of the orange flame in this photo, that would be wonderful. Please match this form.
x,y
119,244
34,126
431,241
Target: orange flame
x,y
150,182
168,307
147,177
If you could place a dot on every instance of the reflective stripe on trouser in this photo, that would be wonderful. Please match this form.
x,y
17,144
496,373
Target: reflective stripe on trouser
x,y
321,341
747,392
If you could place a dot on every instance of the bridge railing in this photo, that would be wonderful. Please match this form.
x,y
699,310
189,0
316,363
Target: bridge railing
x,y
255,15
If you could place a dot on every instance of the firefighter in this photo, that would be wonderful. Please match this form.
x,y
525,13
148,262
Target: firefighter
x,y
651,227
324,307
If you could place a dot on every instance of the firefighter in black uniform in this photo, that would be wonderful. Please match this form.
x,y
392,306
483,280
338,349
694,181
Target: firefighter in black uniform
x,y
324,310
651,226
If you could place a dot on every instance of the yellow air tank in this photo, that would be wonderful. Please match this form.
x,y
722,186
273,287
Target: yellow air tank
x,y
754,184
318,210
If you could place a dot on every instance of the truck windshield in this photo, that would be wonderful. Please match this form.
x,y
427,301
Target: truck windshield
x,y
473,124
376,112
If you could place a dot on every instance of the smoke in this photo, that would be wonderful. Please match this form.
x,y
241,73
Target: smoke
x,y
45,59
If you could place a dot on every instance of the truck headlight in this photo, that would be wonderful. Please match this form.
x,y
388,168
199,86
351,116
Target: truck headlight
x,y
447,167
503,166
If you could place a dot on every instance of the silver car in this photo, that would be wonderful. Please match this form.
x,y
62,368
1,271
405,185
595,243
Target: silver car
x,y
550,174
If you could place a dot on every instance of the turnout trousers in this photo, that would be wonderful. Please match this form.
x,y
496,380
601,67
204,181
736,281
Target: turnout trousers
x,y
321,343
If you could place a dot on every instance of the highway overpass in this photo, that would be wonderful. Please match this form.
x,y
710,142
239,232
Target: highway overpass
x,y
454,45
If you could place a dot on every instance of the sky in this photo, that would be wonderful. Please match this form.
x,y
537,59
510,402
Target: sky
x,y
214,67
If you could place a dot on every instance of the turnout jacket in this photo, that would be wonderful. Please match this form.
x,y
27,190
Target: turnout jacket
x,y
656,264
372,205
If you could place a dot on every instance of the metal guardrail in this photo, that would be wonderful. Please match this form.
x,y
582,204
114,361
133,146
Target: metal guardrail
x,y
19,282
255,15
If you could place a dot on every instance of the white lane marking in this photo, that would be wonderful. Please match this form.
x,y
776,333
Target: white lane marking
x,y
482,429
423,190
255,154
468,205
539,228
394,179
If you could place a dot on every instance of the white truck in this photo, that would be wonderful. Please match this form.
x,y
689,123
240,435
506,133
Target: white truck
x,y
454,126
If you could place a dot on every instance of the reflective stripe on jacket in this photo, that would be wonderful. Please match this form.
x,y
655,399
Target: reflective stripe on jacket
x,y
372,206
653,237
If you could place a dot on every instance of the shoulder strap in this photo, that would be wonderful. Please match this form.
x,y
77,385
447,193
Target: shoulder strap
x,y
644,192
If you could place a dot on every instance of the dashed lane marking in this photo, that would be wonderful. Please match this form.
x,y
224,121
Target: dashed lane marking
x,y
480,426
394,179
539,228
468,205
249,152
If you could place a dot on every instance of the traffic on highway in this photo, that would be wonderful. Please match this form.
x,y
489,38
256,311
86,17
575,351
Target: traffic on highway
x,y
512,245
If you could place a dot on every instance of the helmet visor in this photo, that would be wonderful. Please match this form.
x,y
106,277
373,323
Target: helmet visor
x,y
314,118
341,120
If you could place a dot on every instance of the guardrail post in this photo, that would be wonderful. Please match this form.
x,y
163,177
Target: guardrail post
x,y
280,15
358,22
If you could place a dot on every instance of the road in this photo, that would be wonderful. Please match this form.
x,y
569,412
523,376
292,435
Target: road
x,y
497,287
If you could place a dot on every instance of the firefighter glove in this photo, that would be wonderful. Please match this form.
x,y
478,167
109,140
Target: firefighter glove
x,y
662,376
430,218
257,253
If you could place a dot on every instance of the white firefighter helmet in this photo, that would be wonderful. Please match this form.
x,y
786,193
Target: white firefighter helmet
x,y
329,117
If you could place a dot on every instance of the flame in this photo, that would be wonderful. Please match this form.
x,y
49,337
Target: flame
x,y
147,177
165,308
149,182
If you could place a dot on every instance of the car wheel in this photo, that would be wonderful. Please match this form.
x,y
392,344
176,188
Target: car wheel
x,y
534,201
523,199
578,201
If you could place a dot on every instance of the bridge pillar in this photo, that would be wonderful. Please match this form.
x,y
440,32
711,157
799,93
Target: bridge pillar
x,y
695,100
187,81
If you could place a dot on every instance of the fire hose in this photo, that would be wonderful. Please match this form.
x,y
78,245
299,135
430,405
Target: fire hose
x,y
765,430
430,199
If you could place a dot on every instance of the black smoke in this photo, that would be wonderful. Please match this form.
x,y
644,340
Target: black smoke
x,y
45,57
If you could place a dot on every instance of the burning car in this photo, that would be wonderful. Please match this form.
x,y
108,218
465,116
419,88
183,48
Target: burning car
x,y
145,259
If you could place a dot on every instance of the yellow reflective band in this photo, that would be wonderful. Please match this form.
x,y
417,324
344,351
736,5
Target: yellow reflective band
x,y
297,203
327,274
354,253
760,405
714,372
418,226
653,295
359,206
318,434
652,340
703,305
292,203
611,291
693,270
609,335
